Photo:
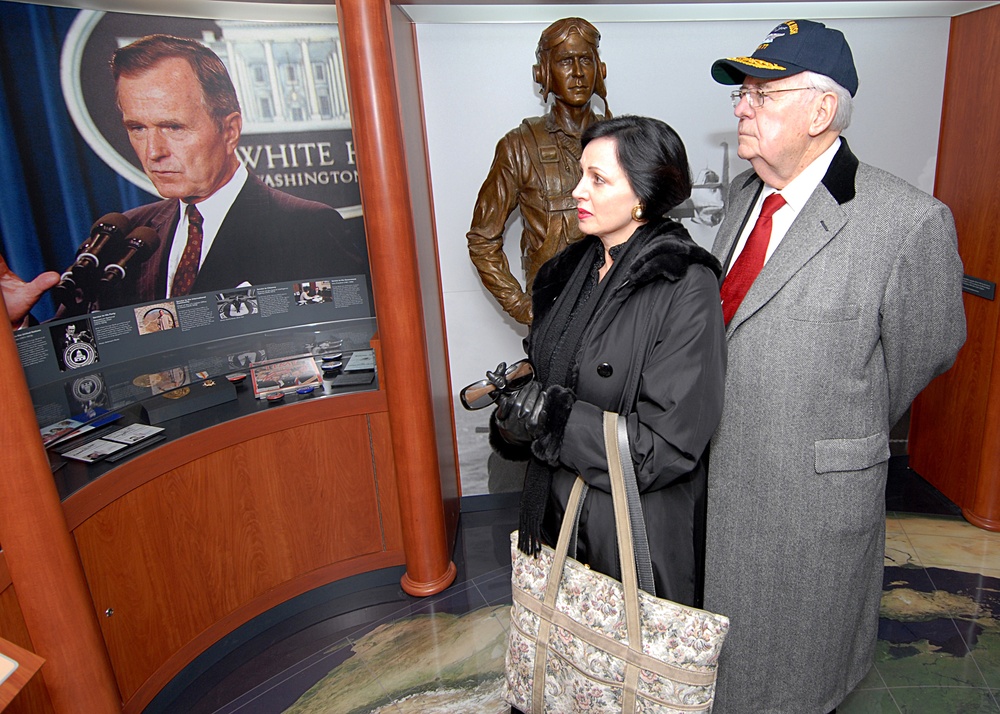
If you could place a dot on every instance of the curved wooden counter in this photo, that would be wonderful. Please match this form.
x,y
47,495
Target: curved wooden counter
x,y
187,542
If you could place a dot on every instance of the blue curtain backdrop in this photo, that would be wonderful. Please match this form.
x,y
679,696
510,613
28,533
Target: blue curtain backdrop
x,y
52,186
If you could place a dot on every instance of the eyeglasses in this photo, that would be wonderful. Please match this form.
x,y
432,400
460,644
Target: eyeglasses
x,y
503,380
755,97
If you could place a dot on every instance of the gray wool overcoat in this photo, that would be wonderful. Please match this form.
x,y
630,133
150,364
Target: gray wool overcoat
x,y
859,307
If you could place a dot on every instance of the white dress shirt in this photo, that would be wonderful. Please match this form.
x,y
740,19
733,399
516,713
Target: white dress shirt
x,y
213,211
796,193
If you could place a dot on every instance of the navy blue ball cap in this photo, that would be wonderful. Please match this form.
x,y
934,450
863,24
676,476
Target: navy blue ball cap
x,y
792,47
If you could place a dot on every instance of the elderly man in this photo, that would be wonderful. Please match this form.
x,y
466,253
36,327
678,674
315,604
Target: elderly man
x,y
537,166
219,227
842,301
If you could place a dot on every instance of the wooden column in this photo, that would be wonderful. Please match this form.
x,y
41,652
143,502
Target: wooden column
x,y
42,558
365,32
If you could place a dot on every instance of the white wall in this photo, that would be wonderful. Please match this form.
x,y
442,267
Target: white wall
x,y
477,85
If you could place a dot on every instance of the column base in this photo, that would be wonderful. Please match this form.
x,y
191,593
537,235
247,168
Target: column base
x,y
980,522
411,587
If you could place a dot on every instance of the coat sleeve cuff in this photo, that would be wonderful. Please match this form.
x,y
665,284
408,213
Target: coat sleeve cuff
x,y
502,447
548,446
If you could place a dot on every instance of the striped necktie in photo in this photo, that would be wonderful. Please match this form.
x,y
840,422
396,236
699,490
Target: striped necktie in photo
x,y
187,269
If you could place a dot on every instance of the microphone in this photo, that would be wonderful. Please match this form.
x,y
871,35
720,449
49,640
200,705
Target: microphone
x,y
77,277
107,229
140,244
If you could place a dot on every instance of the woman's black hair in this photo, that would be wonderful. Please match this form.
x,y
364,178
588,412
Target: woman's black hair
x,y
653,158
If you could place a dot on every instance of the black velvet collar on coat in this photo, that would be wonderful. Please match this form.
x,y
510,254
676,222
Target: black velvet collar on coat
x,y
666,253
840,177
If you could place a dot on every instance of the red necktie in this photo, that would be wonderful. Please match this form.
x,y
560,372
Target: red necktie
x,y
751,260
187,269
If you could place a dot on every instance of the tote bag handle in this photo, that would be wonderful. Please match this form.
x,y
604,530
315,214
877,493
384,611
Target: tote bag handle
x,y
616,445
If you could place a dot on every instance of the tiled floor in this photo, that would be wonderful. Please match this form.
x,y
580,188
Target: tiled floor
x,y
363,646
940,628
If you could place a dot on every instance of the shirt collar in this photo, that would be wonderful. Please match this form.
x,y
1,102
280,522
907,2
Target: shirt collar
x,y
214,208
551,125
799,189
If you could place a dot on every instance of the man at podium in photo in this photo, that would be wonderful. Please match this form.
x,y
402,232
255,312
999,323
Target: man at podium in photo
x,y
219,227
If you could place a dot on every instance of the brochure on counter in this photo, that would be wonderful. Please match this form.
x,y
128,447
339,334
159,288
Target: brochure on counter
x,y
76,426
108,444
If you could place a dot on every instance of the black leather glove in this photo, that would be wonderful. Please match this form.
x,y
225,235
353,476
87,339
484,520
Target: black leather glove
x,y
521,416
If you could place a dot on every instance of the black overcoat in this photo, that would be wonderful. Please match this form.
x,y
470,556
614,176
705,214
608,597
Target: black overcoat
x,y
654,351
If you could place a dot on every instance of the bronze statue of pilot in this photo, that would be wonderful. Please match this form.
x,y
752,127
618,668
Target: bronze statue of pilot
x,y
537,166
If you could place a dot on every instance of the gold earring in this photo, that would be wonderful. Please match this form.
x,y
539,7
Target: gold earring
x,y
637,213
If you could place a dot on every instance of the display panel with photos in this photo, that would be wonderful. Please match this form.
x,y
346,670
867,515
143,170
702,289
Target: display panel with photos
x,y
145,115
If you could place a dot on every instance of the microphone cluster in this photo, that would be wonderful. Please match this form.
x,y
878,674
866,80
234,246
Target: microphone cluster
x,y
102,260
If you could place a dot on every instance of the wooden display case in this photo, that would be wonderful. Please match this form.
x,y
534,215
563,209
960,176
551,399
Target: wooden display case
x,y
186,542
142,569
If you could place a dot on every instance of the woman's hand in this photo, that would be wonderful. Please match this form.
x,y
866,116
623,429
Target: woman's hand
x,y
521,417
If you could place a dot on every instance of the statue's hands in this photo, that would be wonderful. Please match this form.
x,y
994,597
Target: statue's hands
x,y
20,296
521,309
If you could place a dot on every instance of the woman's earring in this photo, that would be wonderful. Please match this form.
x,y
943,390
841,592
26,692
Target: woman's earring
x,y
637,213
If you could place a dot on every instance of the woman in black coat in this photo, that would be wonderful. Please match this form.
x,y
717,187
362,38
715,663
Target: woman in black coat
x,y
626,320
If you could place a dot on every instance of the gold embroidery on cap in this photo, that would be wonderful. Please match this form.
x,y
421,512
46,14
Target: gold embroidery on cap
x,y
758,63
793,27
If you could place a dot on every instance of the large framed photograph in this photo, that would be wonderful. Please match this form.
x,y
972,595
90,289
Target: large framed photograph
x,y
180,179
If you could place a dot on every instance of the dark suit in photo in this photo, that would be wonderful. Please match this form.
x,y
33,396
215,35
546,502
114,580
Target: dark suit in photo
x,y
267,237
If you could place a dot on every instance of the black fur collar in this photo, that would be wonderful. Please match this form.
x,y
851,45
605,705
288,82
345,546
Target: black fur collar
x,y
665,252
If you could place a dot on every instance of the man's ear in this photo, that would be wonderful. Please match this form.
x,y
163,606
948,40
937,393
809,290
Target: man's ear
x,y
537,72
232,128
823,113
604,71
